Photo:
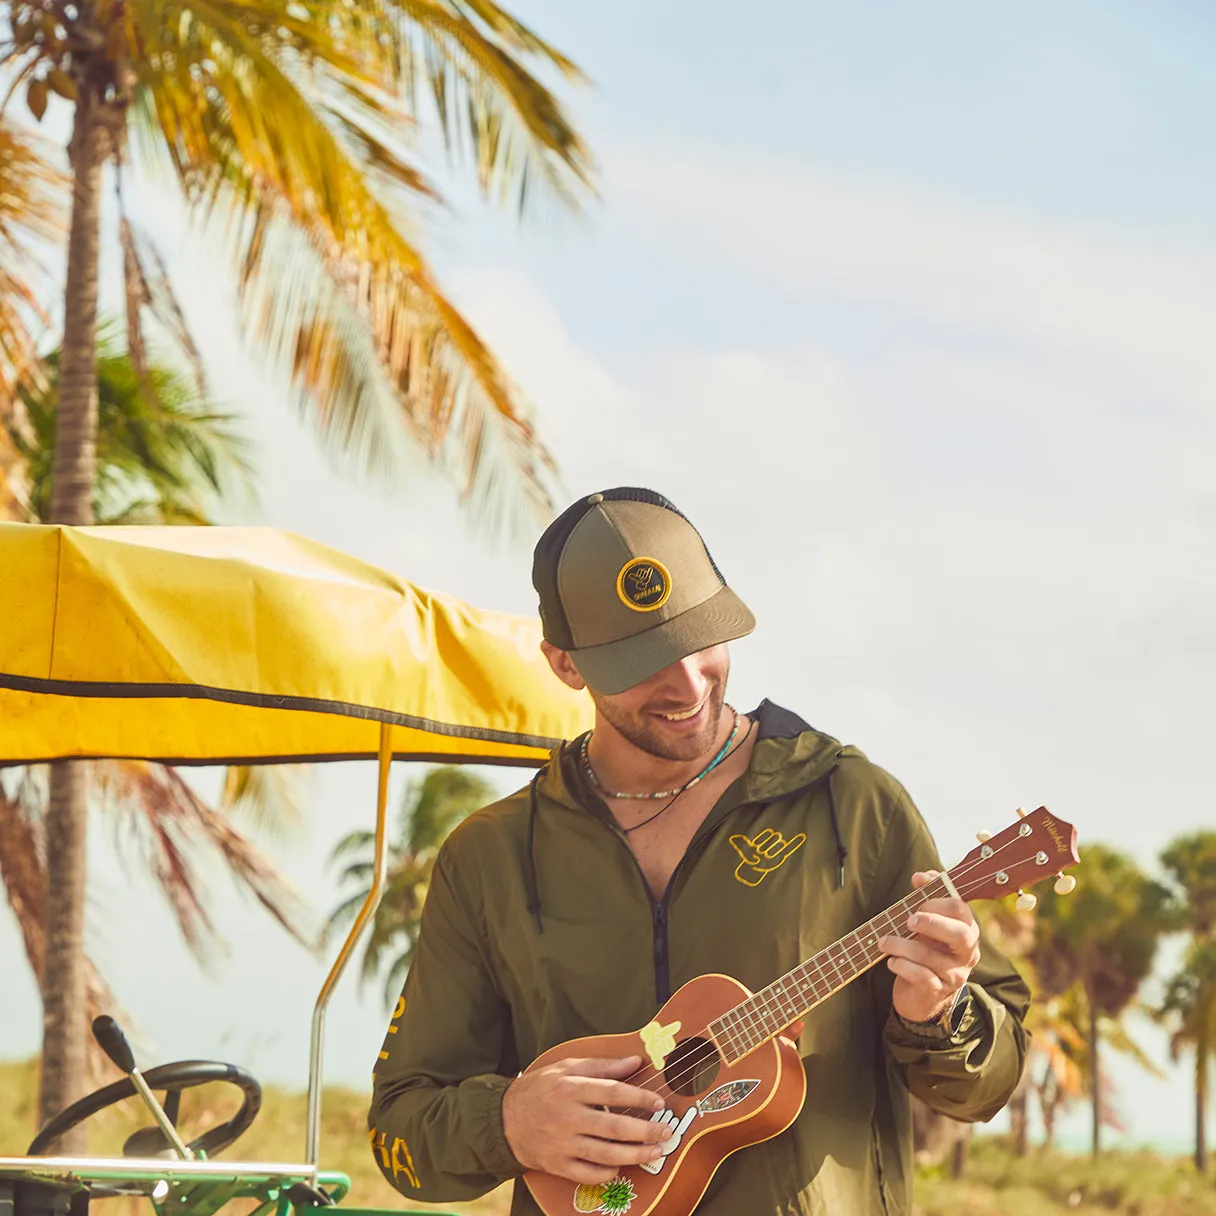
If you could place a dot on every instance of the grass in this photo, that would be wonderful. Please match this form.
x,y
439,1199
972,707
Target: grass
x,y
996,1184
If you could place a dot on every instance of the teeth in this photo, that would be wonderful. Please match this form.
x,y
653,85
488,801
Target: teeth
x,y
691,713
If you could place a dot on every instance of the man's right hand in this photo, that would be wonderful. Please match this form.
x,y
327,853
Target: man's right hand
x,y
554,1121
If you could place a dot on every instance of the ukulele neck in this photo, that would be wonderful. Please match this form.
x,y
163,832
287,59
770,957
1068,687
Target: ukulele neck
x,y
765,1015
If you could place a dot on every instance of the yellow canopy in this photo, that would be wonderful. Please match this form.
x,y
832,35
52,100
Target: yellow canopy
x,y
229,645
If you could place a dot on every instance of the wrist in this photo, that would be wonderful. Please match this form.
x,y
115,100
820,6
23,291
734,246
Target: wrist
x,y
942,1024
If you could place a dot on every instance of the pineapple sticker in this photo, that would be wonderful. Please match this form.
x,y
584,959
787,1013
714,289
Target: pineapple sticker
x,y
613,1197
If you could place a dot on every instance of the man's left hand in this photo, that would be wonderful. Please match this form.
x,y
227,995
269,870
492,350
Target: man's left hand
x,y
931,966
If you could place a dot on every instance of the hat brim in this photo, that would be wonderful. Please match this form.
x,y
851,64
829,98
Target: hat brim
x,y
616,666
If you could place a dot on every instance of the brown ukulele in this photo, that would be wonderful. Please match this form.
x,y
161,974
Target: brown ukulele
x,y
713,1051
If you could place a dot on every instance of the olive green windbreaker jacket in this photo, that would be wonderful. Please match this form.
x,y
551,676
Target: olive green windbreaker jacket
x,y
538,927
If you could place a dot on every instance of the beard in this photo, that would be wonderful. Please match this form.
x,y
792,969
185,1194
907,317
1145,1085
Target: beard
x,y
640,729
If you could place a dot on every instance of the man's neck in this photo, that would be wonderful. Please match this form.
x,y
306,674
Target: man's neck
x,y
621,765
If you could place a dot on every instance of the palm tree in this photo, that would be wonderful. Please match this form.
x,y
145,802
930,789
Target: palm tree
x,y
430,809
1190,999
284,124
1102,938
1189,1007
164,461
1190,862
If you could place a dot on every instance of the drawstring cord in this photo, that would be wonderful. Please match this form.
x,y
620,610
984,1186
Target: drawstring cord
x,y
533,884
841,851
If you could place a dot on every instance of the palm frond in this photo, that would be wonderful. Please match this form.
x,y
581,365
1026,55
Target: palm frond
x,y
358,841
174,827
270,796
332,290
163,461
148,287
32,217
490,105
23,877
430,808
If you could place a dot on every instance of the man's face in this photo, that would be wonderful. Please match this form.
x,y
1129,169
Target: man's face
x,y
676,713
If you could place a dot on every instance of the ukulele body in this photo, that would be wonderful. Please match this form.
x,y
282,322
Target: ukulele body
x,y
714,1108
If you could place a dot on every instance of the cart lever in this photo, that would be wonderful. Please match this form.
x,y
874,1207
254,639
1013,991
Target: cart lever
x,y
113,1042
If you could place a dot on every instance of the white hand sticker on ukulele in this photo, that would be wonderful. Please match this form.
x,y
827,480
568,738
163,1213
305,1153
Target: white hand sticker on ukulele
x,y
678,1128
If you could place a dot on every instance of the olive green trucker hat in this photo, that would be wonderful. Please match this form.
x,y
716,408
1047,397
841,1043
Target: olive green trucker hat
x,y
628,587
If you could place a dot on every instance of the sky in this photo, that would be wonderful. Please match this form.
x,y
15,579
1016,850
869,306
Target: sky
x,y
910,310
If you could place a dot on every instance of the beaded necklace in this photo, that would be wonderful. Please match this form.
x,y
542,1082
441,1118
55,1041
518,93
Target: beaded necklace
x,y
709,768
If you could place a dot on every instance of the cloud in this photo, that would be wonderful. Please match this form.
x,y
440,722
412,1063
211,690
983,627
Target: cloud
x,y
1146,310
974,560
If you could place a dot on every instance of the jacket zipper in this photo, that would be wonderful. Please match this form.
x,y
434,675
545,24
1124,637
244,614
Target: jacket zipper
x,y
662,967
662,975
658,907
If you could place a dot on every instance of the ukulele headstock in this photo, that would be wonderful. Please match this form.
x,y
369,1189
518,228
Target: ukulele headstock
x,y
1037,846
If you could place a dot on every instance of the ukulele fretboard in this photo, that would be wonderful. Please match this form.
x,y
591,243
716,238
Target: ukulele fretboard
x,y
766,1014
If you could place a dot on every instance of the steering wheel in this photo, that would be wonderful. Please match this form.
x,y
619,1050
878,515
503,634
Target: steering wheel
x,y
185,1074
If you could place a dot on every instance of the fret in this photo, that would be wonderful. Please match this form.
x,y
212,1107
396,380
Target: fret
x,y
722,1034
793,1000
802,989
885,926
751,1025
855,953
831,960
772,1004
821,987
730,1022
741,1032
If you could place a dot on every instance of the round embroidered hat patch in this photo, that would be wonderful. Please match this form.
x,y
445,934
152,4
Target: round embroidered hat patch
x,y
643,584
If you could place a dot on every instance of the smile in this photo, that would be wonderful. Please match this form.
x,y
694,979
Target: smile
x,y
683,715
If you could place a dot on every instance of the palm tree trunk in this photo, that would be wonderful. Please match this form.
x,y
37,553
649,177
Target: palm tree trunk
x,y
74,471
1202,1048
1019,1115
1095,1075
958,1156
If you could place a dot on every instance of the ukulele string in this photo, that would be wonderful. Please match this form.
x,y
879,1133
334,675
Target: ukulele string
x,y
851,956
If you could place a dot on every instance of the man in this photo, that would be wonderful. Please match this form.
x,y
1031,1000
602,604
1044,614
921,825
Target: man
x,y
679,838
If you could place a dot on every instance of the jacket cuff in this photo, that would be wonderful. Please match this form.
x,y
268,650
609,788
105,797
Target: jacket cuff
x,y
949,1029
485,1110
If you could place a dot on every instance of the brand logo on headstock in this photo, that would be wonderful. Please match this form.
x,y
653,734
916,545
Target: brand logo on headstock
x,y
1054,832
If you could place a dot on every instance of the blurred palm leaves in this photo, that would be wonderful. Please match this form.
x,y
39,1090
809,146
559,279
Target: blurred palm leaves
x,y
431,808
31,214
163,457
293,133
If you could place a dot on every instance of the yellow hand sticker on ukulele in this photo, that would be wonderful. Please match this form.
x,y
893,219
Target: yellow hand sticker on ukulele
x,y
659,1041
762,856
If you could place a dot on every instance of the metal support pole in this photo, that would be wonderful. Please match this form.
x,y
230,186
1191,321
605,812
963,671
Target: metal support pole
x,y
317,1044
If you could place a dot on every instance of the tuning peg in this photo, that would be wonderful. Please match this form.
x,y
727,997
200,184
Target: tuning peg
x,y
1021,812
1065,884
1026,901
983,836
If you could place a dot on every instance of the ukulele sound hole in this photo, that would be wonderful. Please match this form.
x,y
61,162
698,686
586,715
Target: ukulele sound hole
x,y
692,1068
